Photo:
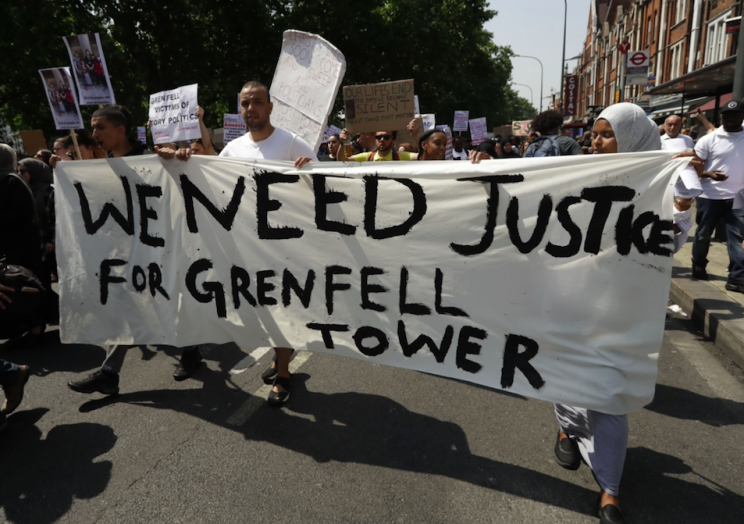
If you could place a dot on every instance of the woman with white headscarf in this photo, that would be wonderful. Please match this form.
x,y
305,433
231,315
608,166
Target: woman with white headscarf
x,y
602,439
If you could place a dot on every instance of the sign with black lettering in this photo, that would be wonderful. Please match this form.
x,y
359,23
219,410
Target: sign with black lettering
x,y
173,115
544,277
388,106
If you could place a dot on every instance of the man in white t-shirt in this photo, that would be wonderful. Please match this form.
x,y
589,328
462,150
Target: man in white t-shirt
x,y
266,142
672,140
722,179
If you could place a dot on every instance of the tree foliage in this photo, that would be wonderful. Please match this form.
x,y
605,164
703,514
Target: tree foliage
x,y
221,44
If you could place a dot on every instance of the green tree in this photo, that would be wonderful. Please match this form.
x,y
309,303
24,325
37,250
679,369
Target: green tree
x,y
221,44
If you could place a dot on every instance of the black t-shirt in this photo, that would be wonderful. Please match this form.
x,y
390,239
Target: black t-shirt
x,y
568,146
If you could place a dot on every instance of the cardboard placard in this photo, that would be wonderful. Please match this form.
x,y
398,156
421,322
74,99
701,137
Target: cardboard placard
x,y
379,107
461,121
521,128
478,130
33,141
306,82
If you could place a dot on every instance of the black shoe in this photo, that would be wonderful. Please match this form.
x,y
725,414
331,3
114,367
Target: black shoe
x,y
270,372
735,285
14,391
610,514
699,272
98,382
567,453
277,399
190,361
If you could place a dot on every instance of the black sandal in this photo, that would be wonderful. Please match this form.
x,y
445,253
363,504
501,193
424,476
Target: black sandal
x,y
270,372
277,399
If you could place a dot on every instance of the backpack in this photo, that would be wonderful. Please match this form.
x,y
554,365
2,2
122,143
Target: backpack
x,y
28,295
543,146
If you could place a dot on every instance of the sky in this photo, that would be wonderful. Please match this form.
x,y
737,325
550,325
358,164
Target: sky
x,y
535,28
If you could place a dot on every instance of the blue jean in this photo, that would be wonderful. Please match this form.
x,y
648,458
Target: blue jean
x,y
8,376
709,213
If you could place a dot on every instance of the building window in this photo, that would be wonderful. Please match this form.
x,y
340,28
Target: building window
x,y
675,59
648,31
681,12
715,47
614,58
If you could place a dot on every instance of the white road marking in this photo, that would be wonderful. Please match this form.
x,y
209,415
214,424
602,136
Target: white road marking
x,y
249,360
258,399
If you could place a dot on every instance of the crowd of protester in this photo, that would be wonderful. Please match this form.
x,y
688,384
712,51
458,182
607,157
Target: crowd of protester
x,y
713,178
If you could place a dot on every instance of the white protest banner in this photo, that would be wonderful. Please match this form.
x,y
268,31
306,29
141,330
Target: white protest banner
x,y
142,134
545,277
378,107
91,72
60,93
173,115
234,127
478,130
306,81
461,121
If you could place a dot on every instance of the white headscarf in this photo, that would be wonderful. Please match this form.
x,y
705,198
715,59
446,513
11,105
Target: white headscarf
x,y
634,130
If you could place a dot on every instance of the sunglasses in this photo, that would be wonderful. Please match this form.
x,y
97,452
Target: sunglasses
x,y
383,137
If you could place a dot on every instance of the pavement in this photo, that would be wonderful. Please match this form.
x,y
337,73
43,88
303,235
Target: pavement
x,y
718,313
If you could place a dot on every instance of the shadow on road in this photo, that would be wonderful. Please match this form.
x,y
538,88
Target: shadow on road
x,y
42,477
651,495
686,405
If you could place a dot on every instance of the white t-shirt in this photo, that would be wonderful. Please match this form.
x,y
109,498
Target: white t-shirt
x,y
722,151
462,155
281,145
681,143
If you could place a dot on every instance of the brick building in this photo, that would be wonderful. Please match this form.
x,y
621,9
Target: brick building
x,y
683,37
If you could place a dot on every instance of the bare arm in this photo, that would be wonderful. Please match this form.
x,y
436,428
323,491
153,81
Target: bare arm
x,y
206,141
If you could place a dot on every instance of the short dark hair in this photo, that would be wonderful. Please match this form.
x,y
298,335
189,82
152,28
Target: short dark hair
x,y
117,115
547,121
256,83
84,138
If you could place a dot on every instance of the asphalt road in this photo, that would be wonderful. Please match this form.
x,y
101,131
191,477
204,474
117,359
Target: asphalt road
x,y
356,443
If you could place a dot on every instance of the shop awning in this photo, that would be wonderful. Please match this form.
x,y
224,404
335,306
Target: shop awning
x,y
715,79
710,106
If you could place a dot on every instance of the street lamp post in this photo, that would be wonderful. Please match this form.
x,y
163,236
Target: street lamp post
x,y
541,76
563,56
532,95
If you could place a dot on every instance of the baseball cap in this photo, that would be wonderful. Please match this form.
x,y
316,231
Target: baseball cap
x,y
735,105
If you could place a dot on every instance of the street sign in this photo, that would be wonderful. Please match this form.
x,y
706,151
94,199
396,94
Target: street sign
x,y
636,72
637,59
623,47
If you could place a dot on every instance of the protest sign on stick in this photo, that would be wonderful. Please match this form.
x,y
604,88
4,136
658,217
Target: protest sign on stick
x,y
142,134
478,130
33,141
173,115
521,127
306,82
60,93
461,121
430,121
475,272
379,107
89,67
233,126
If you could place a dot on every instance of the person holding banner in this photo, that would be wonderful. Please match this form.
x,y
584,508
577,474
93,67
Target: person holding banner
x,y
111,126
386,150
599,438
265,141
